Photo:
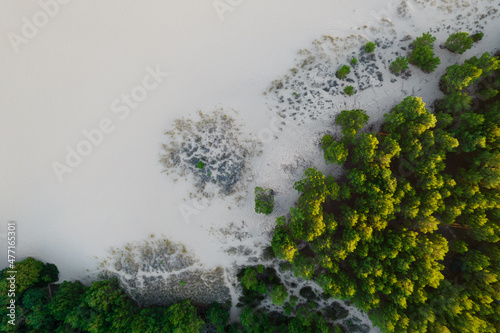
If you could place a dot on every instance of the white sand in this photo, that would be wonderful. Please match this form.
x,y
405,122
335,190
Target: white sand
x,y
65,79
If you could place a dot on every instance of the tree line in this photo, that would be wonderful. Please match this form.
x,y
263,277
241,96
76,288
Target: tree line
x,y
410,232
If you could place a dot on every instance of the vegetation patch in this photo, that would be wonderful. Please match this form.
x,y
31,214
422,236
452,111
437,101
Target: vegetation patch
x,y
212,149
264,200
422,55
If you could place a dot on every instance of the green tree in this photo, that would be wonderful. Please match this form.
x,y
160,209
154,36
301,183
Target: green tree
x,y
251,282
151,320
218,316
183,318
278,294
334,151
398,65
351,121
104,308
68,296
37,314
370,47
458,77
349,90
343,71
459,42
264,200
423,54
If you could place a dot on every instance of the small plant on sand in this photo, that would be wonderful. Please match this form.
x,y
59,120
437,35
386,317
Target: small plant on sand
x,y
182,282
354,61
343,71
370,47
477,36
264,201
459,42
349,90
398,65
200,165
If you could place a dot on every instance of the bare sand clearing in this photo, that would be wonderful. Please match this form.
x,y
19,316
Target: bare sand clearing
x,y
272,62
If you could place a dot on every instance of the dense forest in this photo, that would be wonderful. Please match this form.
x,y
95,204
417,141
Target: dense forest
x,y
409,233
103,307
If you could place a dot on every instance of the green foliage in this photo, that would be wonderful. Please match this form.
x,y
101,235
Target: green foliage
x,y
250,281
351,121
455,103
200,165
31,273
354,61
37,314
486,63
398,65
104,307
283,246
264,201
335,152
303,267
423,54
218,316
349,90
412,233
370,47
343,71
459,42
458,77
278,294
477,36
68,296
183,318
151,320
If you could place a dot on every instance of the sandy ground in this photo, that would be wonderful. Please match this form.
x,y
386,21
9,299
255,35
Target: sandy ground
x,y
71,74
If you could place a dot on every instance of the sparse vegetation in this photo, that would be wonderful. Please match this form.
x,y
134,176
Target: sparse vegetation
x,y
398,65
264,201
349,90
477,36
370,47
343,71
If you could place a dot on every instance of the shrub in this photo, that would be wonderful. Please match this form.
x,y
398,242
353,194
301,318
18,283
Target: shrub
x,y
354,61
200,165
343,71
278,294
459,42
425,40
250,281
349,90
370,47
398,65
477,37
218,316
264,201
458,77
422,55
